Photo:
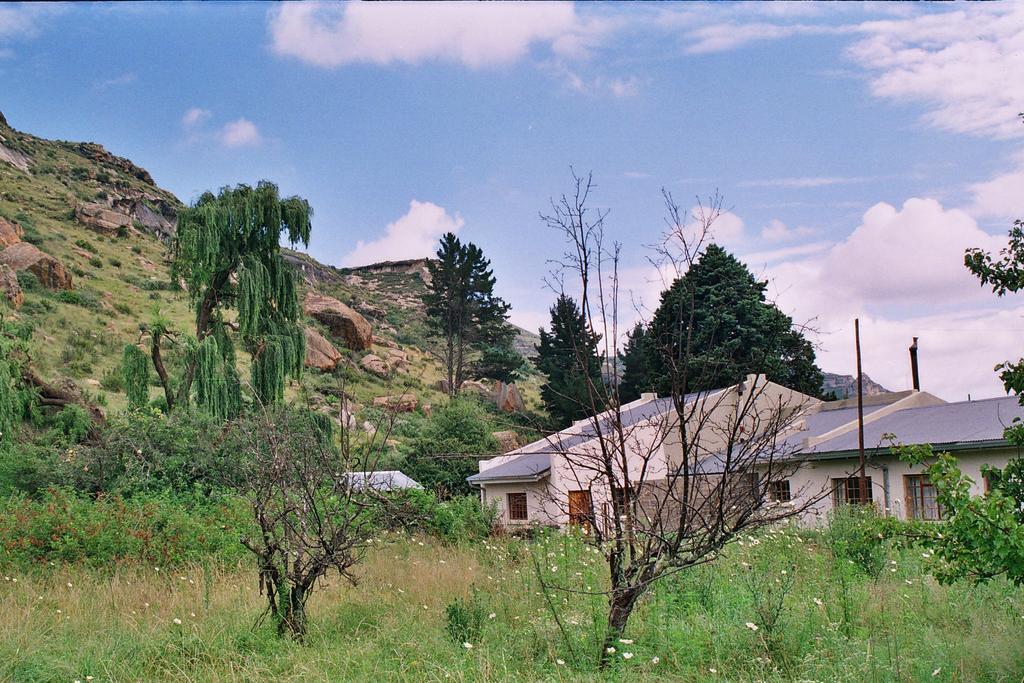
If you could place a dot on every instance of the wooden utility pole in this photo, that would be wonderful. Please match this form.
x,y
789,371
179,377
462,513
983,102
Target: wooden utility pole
x,y
860,415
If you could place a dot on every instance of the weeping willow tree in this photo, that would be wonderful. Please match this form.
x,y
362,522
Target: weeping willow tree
x,y
227,253
135,375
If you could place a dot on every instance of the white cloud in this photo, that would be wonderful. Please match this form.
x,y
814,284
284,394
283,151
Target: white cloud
x,y
729,36
126,78
1002,196
966,66
195,116
777,231
414,235
804,182
17,21
240,133
476,35
901,271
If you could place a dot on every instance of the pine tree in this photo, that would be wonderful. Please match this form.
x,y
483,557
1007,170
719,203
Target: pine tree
x,y
635,377
227,252
714,326
569,357
462,306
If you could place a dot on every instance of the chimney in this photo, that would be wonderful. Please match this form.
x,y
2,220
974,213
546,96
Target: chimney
x,y
913,365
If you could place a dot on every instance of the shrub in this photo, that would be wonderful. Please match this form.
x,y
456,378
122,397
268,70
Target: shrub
x,y
457,520
465,619
122,231
28,281
148,451
79,297
112,381
857,533
116,262
136,249
462,426
96,262
87,245
160,530
73,423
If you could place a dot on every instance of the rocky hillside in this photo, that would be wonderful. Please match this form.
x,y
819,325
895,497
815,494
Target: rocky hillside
x,y
83,240
845,386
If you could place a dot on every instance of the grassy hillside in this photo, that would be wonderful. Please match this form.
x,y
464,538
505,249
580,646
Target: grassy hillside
x,y
121,280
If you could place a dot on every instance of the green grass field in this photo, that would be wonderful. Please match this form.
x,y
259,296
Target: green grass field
x,y
196,623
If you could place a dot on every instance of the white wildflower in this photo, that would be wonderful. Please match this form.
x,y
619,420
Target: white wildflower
x,y
627,655
752,626
468,646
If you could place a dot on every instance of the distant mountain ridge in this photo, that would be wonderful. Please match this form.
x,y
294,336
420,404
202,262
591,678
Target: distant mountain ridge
x,y
845,386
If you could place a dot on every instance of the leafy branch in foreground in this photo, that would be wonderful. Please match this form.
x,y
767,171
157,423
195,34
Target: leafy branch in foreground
x,y
982,537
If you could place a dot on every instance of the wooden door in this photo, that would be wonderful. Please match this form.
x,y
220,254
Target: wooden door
x,y
580,512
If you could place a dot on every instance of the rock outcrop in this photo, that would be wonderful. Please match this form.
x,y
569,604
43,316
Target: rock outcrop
x,y
341,320
102,219
508,398
10,287
10,233
475,388
50,272
320,353
374,364
14,158
400,403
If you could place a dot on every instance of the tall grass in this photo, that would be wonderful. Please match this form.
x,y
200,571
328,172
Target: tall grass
x,y
71,621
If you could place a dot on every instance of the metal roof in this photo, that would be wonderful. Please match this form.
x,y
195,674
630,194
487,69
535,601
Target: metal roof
x,y
534,461
965,422
382,480
527,467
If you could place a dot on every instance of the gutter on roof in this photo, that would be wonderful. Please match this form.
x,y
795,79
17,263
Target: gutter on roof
x,y
509,479
937,447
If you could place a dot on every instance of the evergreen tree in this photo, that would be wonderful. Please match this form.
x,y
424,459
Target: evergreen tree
x,y
635,377
501,362
227,252
463,308
569,357
714,327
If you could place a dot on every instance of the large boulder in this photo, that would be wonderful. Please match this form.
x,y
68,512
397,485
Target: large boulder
x,y
400,403
375,365
50,272
320,353
341,320
10,233
9,286
507,440
101,218
508,398
474,388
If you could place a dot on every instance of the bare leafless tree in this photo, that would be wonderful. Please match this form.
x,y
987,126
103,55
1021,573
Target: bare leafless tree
x,y
666,484
313,510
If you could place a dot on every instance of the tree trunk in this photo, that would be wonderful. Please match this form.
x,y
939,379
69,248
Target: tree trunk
x,y
292,619
620,604
161,371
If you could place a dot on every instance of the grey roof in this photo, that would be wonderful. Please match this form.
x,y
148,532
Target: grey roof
x,y
559,442
966,422
823,422
534,459
382,480
526,467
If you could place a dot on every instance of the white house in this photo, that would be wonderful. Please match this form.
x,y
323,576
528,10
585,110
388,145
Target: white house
x,y
560,480
557,481
828,452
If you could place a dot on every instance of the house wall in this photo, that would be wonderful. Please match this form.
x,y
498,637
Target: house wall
x,y
813,480
540,508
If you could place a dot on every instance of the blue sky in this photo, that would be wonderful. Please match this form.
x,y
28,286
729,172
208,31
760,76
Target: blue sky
x,y
859,149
